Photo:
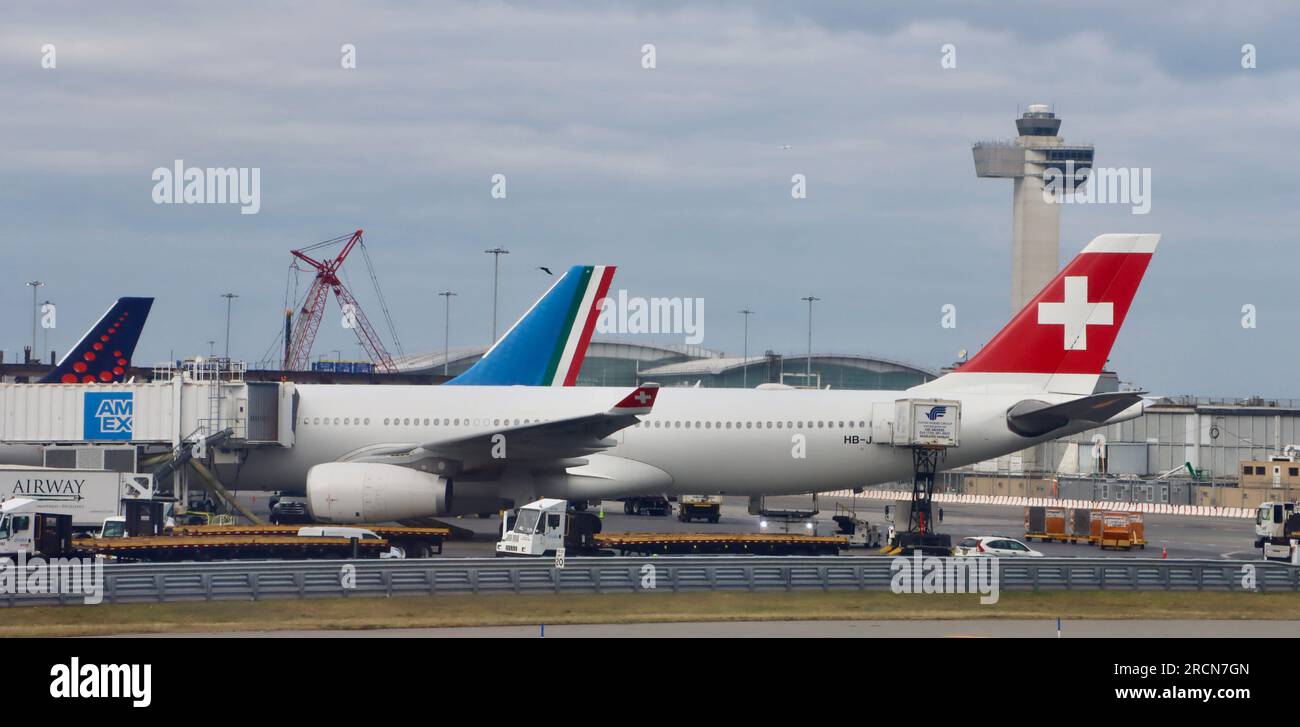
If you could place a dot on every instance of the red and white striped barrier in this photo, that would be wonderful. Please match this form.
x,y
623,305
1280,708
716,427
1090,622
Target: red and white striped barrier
x,y
1014,501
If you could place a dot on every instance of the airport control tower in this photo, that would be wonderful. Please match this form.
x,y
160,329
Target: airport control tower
x,y
1035,221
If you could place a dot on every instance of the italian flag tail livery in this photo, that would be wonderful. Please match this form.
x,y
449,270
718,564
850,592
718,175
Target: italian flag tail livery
x,y
1060,341
547,345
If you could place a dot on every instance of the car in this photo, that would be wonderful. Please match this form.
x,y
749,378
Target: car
x,y
317,531
994,545
289,510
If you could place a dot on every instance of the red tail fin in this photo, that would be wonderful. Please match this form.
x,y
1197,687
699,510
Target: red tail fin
x,y
1062,338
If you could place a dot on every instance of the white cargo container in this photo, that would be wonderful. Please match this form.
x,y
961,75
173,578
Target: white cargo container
x,y
89,496
927,423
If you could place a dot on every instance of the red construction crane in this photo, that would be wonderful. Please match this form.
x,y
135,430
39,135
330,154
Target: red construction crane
x,y
313,308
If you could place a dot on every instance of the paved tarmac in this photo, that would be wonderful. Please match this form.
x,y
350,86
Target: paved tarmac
x,y
1185,537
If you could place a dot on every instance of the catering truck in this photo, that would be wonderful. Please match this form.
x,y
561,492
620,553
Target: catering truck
x,y
89,496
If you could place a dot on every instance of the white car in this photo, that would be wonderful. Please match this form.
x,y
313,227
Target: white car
x,y
995,545
317,531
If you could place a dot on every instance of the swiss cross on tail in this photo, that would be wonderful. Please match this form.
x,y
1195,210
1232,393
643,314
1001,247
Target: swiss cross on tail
x,y
1070,326
639,401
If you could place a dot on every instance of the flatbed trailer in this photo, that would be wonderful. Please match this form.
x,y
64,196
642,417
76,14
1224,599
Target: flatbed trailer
x,y
231,547
719,543
416,542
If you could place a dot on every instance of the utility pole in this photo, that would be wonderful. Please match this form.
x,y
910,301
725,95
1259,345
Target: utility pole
x,y
34,285
230,298
808,362
496,254
745,355
446,330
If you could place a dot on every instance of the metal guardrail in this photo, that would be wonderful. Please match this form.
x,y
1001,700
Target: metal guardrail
x,y
256,580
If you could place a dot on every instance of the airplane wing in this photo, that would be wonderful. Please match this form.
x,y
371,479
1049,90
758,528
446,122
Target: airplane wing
x,y
538,443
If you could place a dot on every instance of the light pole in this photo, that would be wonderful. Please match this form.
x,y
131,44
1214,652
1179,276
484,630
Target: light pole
x,y
744,376
230,298
446,330
34,285
808,362
496,254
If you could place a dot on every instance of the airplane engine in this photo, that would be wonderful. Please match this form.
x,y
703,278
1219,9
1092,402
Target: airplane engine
x,y
360,492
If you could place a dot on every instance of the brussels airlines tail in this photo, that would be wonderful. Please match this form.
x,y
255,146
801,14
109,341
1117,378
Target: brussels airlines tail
x,y
547,345
103,355
1060,341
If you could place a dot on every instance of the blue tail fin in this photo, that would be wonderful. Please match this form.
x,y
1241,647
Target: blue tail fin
x,y
103,355
547,345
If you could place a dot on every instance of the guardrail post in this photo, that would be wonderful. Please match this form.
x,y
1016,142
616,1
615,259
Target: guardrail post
x,y
388,583
432,574
158,586
749,576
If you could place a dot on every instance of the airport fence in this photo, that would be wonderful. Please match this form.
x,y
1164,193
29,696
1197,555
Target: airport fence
x,y
244,580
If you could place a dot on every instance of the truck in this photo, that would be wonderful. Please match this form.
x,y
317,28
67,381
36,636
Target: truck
x,y
88,496
1277,530
25,528
656,505
699,507
859,532
549,527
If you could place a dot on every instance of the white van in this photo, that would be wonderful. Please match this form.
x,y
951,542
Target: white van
x,y
328,531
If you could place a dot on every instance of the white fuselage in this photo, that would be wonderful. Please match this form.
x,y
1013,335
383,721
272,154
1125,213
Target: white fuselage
x,y
695,441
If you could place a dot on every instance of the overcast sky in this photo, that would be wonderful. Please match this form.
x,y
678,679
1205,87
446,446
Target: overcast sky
x,y
676,174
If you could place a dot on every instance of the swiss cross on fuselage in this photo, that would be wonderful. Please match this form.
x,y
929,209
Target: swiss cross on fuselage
x,y
643,397
1075,313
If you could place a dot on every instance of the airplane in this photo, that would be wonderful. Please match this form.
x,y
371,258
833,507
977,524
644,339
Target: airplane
x,y
380,453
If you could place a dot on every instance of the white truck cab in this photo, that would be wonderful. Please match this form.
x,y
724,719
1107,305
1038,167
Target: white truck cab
x,y
1276,530
16,532
538,529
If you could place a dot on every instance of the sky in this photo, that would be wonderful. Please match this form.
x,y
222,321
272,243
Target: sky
x,y
679,174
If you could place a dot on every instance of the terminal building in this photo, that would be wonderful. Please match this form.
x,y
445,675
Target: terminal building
x,y
622,363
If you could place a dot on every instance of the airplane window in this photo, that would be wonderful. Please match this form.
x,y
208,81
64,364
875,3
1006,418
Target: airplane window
x,y
778,425
718,424
749,425
801,425
769,425
315,420
496,422
406,422
347,421
790,425
367,421
728,425
678,425
385,421
841,425
820,424
336,421
458,422
516,422
426,422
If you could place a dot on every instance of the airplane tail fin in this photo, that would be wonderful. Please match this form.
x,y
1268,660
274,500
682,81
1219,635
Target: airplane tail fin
x,y
547,345
1060,341
103,355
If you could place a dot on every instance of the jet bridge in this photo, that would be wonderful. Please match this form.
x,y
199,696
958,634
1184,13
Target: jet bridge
x,y
181,405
